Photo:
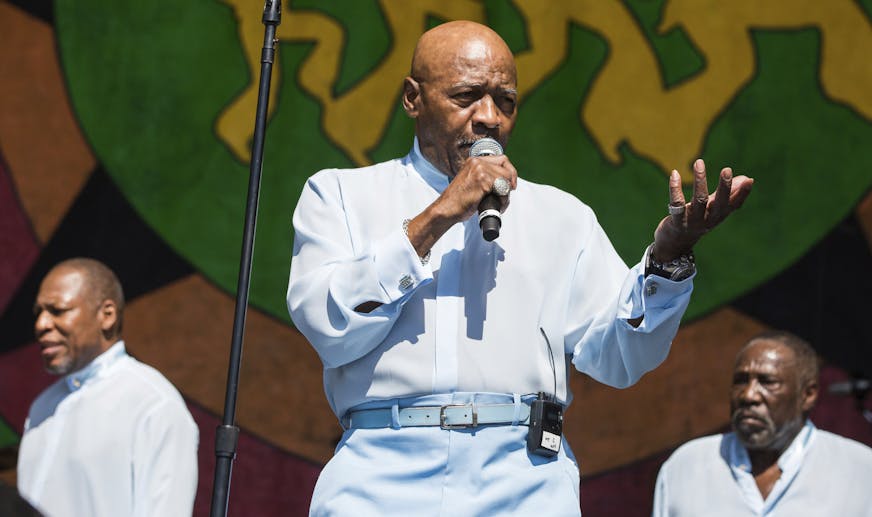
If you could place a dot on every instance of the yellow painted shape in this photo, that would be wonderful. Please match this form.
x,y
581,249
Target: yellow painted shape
x,y
627,101
354,121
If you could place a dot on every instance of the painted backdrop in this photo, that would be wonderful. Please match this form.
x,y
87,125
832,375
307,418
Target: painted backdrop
x,y
125,131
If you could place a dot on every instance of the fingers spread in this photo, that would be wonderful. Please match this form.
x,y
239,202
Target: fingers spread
x,y
689,221
700,187
720,206
740,189
676,197
700,194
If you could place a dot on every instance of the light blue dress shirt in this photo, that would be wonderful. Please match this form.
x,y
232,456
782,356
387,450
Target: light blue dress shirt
x,y
483,321
470,319
111,439
822,474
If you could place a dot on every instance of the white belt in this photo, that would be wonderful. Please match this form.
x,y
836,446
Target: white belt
x,y
449,416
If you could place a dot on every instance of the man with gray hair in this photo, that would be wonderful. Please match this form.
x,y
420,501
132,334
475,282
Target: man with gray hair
x,y
112,437
775,462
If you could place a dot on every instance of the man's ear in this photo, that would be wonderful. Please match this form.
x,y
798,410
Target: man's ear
x,y
809,395
108,315
411,97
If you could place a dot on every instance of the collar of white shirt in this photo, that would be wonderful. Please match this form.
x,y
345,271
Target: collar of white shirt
x,y
789,462
96,368
433,176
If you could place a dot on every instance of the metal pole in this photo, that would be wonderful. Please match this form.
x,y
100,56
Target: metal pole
x,y
227,434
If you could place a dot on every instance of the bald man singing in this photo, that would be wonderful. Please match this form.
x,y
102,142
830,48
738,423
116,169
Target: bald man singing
x,y
445,354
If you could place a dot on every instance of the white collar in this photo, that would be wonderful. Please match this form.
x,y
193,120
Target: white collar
x,y
789,462
96,367
433,176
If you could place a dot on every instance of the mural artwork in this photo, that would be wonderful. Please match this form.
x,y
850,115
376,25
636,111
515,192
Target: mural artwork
x,y
125,132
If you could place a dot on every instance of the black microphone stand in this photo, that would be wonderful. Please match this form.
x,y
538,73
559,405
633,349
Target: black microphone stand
x,y
227,434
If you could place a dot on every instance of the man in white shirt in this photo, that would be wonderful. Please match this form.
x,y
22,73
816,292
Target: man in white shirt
x,y
775,462
112,437
435,342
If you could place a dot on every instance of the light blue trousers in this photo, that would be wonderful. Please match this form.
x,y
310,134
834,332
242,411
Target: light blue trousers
x,y
429,471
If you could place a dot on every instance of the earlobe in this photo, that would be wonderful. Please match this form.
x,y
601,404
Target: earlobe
x,y
411,96
108,315
810,394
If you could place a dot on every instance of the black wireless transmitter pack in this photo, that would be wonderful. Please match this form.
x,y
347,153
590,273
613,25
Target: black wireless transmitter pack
x,y
546,426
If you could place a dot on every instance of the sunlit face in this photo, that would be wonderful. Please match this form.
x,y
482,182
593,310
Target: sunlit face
x,y
767,402
68,322
465,95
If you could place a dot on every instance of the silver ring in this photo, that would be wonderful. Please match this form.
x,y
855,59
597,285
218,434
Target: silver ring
x,y
501,187
675,209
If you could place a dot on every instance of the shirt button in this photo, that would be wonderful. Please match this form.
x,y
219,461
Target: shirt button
x,y
405,282
651,288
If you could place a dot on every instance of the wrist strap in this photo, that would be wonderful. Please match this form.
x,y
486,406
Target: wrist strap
x,y
676,269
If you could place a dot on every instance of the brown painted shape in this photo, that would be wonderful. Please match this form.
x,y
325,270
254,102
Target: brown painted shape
x,y
184,330
47,155
687,396
864,216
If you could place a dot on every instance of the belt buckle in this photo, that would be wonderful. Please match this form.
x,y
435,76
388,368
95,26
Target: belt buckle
x,y
443,417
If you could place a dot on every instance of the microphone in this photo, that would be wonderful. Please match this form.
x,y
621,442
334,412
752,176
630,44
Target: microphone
x,y
489,219
857,387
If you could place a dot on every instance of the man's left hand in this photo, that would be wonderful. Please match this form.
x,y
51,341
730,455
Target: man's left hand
x,y
678,233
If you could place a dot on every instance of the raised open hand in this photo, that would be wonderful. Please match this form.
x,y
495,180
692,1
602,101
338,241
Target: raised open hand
x,y
678,232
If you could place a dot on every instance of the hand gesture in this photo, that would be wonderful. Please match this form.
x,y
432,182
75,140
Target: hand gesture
x,y
678,232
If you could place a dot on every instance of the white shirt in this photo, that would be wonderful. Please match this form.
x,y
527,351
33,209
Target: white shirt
x,y
112,439
473,318
822,474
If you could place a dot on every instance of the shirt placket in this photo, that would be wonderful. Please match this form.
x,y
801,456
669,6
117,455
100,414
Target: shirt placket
x,y
448,301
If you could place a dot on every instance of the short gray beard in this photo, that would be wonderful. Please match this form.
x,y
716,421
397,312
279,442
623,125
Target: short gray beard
x,y
771,438
65,367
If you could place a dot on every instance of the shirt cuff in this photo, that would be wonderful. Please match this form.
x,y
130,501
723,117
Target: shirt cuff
x,y
661,293
652,294
399,267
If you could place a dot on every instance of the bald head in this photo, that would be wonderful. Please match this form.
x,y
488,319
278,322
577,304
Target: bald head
x,y
441,47
78,314
462,87
99,284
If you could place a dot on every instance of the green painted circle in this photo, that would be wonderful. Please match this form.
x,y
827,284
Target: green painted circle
x,y
147,80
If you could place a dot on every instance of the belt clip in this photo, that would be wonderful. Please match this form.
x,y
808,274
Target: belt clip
x,y
443,417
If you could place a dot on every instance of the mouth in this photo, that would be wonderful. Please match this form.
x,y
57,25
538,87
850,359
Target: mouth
x,y
465,144
749,418
50,349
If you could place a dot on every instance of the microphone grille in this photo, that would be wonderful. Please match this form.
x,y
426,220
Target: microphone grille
x,y
485,147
